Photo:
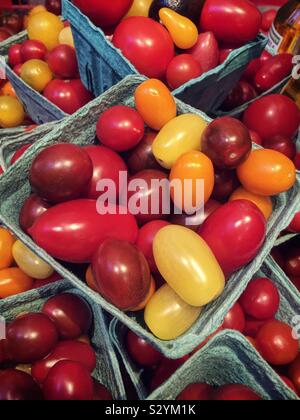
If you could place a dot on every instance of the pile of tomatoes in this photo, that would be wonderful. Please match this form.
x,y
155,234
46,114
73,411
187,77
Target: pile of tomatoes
x,y
48,355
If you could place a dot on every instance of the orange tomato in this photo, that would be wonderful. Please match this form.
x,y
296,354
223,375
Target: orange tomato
x,y
267,172
8,90
37,9
13,281
155,103
90,279
264,203
186,191
6,243
37,74
148,297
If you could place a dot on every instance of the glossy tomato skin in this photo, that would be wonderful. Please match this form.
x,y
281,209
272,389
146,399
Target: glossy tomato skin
x,y
273,71
276,344
62,61
18,386
122,273
150,49
197,391
33,49
243,92
292,262
226,182
30,337
235,233
294,373
267,19
235,392
253,326
14,55
6,244
31,210
236,21
54,230
251,70
235,319
206,51
283,145
19,153
70,313
14,281
183,68
141,157
141,352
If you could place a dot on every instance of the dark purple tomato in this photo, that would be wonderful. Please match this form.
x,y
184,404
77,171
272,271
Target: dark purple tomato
x,y
273,71
14,55
68,381
226,141
62,61
101,393
196,392
235,319
18,386
53,6
242,93
206,51
70,313
120,127
182,69
60,172
226,182
31,210
30,337
146,43
141,352
282,144
191,8
235,392
33,49
122,273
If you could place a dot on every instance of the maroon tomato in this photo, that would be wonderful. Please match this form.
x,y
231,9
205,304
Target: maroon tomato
x,y
226,141
292,262
19,153
253,326
107,164
182,69
121,128
5,33
267,19
70,313
32,49
289,383
30,337
267,116
18,386
197,392
44,282
101,393
243,92
146,43
145,241
235,21
12,21
282,144
294,373
235,233
235,392
166,369
69,381
206,51
273,71
121,273
252,69
255,137
235,319
276,344
141,352
31,210
297,161
294,226
296,282
68,95
53,6
62,61
226,182
14,55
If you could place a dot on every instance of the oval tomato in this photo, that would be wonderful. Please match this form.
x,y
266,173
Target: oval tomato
x,y
182,69
206,51
273,71
13,281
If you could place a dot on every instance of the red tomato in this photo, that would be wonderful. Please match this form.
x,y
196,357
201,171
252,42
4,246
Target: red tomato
x,y
265,55
243,92
294,373
141,352
235,319
19,153
261,299
17,69
226,182
294,226
292,262
273,71
31,210
224,53
276,343
197,392
255,137
236,21
182,69
68,95
146,43
282,144
252,69
18,386
267,19
235,393
253,326
267,116
14,55
44,282
33,49
62,61
206,51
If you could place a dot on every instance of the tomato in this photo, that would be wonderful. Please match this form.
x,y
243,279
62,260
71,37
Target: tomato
x,y
206,51
251,70
253,326
224,54
267,19
44,282
75,351
70,313
225,183
53,6
273,71
267,172
101,393
294,373
180,135
12,21
145,241
150,49
197,283
30,337
167,315
45,27
236,21
74,230
62,62
155,103
294,226
18,386
6,243
31,210
139,8
235,319
289,383
190,8
196,392
255,137
292,262
90,279
17,69
11,112
282,144
242,93
19,153
36,74
60,172
267,116
235,392
122,274
33,49
5,33
121,128
165,370
8,90
13,281
14,55
297,161
141,352
262,202
66,37
235,233
226,141
149,295
183,68
276,343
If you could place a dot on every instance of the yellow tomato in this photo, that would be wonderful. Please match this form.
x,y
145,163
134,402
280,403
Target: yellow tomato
x,y
139,8
167,315
45,27
29,263
192,172
180,135
263,203
13,281
188,265
11,112
37,9
6,243
267,172
66,37
155,103
37,74
182,30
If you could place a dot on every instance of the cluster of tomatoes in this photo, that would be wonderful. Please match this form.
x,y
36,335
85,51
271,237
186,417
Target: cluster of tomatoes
x,y
48,355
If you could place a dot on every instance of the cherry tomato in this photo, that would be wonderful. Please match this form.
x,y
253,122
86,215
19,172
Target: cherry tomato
x,y
150,49
253,326
264,204
165,370
242,93
45,27
32,49
183,68
139,8
90,279
141,352
292,262
122,273
62,61
235,233
18,386
17,69
144,303
44,282
11,112
294,373
6,244
53,6
267,172
282,144
294,226
31,210
235,393
197,392
14,55
37,9
66,37
252,69
276,343
36,74
13,281
255,137
121,128
19,153
273,71
267,19
225,183
206,51
224,54
235,319
8,90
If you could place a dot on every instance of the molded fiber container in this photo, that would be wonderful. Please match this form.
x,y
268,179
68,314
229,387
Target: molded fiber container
x,y
80,129
289,308
107,370
101,65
